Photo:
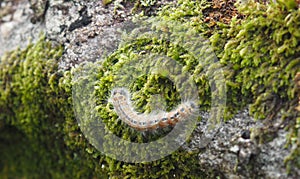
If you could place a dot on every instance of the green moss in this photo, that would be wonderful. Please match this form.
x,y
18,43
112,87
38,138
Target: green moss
x,y
37,104
262,55
108,75
37,120
39,132
138,5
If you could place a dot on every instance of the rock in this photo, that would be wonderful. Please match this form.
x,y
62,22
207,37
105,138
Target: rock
x,y
89,29
16,30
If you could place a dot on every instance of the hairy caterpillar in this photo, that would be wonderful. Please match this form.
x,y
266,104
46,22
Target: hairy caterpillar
x,y
120,98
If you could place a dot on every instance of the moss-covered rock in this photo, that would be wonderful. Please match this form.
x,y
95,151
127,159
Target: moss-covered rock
x,y
41,137
37,118
262,53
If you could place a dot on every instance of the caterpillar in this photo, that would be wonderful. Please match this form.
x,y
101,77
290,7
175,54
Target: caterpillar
x,y
120,98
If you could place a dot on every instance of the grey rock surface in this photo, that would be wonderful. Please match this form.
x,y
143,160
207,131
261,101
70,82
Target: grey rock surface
x,y
87,29
16,29
233,151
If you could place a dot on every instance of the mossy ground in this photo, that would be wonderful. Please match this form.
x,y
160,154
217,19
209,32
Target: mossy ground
x,y
39,132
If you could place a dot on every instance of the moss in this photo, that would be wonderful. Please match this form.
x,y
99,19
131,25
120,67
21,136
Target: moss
x,y
136,6
255,71
262,53
39,132
107,75
37,117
